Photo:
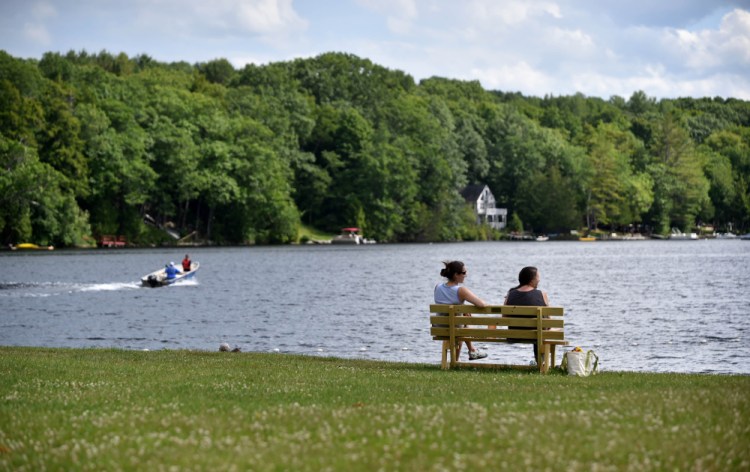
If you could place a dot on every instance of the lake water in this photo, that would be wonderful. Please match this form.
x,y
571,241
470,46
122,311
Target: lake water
x,y
678,306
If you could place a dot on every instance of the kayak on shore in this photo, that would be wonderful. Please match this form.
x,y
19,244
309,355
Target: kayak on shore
x,y
30,246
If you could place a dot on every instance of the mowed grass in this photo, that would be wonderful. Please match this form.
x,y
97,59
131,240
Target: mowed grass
x,y
86,409
308,233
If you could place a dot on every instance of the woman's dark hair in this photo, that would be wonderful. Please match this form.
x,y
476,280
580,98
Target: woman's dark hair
x,y
451,269
526,275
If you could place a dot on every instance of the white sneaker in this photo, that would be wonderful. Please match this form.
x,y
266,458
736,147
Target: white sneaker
x,y
474,355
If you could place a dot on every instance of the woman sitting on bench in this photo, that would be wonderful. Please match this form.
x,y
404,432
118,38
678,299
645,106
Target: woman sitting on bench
x,y
526,293
451,293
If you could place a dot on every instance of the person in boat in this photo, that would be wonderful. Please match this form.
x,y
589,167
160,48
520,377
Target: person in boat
x,y
453,293
186,263
171,271
526,293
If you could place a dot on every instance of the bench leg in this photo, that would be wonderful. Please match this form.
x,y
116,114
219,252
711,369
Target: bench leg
x,y
445,349
552,350
544,366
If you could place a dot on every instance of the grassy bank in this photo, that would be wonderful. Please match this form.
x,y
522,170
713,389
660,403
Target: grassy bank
x,y
308,233
73,409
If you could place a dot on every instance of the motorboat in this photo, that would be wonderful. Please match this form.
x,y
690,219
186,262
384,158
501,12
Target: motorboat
x,y
633,237
347,236
158,278
542,238
351,236
678,235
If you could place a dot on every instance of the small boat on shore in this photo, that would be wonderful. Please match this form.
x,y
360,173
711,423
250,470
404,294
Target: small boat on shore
x,y
726,236
158,278
677,235
633,237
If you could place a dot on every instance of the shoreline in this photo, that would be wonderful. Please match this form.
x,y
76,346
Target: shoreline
x,y
553,371
220,246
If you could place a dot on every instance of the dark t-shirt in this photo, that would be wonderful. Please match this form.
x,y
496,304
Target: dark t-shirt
x,y
530,298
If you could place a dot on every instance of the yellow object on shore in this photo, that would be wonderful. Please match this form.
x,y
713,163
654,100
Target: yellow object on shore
x,y
32,246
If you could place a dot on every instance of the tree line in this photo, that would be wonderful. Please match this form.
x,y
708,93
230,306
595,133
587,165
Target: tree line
x,y
92,144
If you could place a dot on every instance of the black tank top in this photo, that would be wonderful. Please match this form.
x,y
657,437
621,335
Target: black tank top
x,y
530,298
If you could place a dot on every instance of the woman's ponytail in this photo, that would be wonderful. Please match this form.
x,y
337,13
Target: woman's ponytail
x,y
451,269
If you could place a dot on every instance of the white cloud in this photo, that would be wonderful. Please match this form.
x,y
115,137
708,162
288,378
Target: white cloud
x,y
650,13
37,34
657,81
551,48
729,46
514,77
267,16
392,8
597,47
511,12
573,38
42,10
400,14
267,19
36,31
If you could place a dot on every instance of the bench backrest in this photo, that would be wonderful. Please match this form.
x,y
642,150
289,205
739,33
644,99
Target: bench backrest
x,y
519,323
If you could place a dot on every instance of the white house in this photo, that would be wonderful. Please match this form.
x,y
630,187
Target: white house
x,y
483,203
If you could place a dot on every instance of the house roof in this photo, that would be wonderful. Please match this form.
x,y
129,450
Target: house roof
x,y
472,192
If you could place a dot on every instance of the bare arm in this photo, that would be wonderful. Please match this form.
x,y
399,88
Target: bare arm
x,y
546,299
466,294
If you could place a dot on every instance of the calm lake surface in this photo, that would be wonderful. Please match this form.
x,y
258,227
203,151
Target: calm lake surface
x,y
677,306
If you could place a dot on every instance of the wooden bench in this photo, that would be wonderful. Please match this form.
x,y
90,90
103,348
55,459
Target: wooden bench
x,y
542,325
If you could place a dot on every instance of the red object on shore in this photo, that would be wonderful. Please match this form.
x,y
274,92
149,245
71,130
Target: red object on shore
x,y
111,241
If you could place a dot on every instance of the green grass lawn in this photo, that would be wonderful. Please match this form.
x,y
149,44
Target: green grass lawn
x,y
308,233
73,409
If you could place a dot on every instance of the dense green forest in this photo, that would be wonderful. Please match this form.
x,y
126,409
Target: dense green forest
x,y
93,144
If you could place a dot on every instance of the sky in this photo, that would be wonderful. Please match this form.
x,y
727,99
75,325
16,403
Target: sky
x,y
665,48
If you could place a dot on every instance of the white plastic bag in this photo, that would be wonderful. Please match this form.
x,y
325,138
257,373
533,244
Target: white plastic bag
x,y
580,363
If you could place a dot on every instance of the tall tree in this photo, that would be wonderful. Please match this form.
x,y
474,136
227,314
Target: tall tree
x,y
681,187
615,193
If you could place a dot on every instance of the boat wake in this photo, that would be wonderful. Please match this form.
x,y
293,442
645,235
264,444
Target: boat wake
x,y
109,287
47,289
184,283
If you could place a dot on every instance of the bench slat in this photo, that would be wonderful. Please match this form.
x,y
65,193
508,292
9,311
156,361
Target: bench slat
x,y
498,310
556,342
498,321
482,334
